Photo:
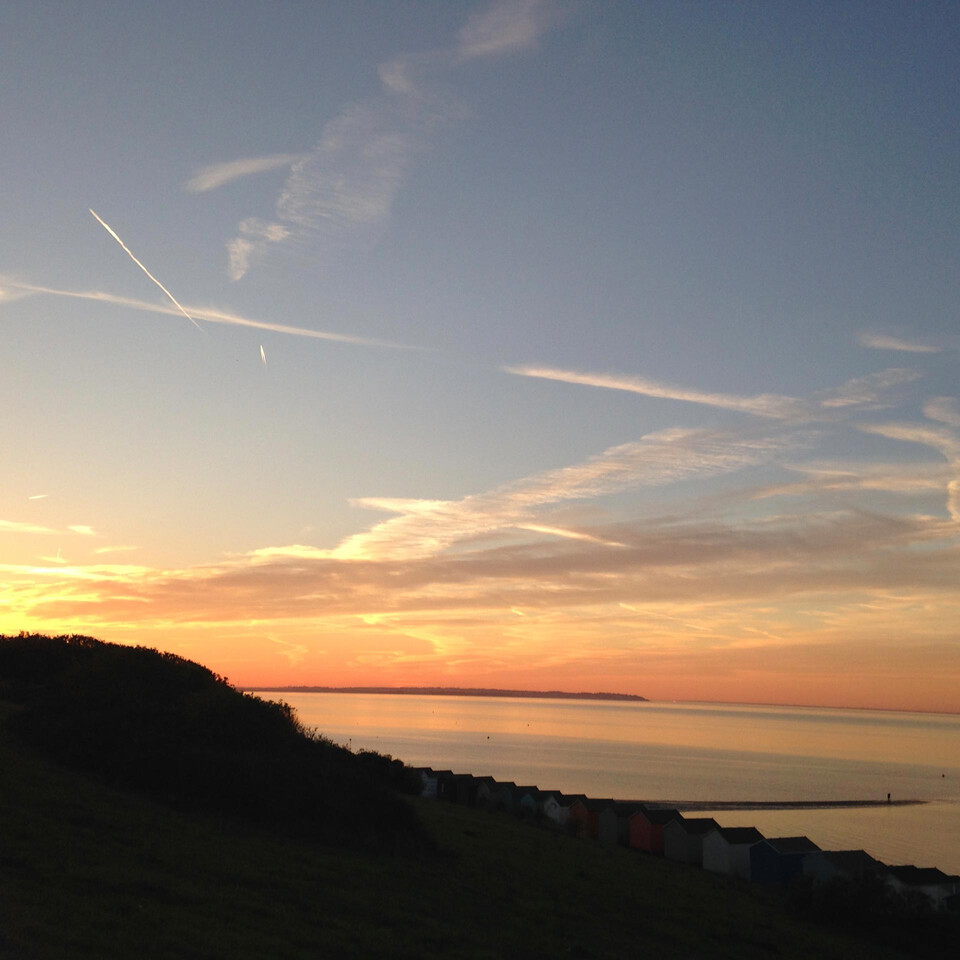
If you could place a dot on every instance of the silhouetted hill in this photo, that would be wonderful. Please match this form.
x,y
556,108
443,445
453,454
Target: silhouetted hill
x,y
175,730
92,869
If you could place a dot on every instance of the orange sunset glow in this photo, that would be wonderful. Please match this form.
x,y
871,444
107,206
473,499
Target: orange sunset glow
x,y
523,345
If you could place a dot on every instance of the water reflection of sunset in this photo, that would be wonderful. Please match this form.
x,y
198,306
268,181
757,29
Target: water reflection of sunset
x,y
867,736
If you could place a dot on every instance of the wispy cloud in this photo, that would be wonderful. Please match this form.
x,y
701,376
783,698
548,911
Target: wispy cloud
x,y
101,573
340,194
441,583
212,315
909,479
707,565
293,652
428,527
880,341
16,526
39,496
217,174
944,409
763,405
942,439
9,294
566,532
506,26
57,559
253,237
857,393
867,391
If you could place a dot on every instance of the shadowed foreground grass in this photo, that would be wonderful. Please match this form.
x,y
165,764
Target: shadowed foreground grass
x,y
90,870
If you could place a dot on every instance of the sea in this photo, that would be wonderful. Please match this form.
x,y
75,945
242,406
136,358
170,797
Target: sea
x,y
688,753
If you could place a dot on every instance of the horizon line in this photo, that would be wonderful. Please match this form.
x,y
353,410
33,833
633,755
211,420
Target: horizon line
x,y
569,694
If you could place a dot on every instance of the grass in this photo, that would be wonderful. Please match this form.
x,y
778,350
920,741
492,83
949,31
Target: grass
x,y
90,870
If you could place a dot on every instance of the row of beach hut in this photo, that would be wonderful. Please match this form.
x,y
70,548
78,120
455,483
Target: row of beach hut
x,y
741,852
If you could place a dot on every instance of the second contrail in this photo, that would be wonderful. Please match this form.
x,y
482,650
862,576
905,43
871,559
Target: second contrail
x,y
173,299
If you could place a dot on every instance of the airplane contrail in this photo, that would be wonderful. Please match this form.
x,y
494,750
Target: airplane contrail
x,y
173,299
263,356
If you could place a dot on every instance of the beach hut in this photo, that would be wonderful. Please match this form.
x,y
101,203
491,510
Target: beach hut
x,y
585,814
646,828
683,839
444,780
613,822
936,885
511,794
556,806
428,782
461,788
779,859
727,850
501,796
828,866
486,787
529,801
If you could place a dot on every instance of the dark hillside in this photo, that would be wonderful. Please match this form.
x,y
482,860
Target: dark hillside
x,y
89,870
92,868
173,729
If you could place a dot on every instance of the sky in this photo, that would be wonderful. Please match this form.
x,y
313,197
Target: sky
x,y
533,344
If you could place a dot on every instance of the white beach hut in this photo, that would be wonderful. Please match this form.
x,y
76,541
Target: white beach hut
x,y
727,850
683,839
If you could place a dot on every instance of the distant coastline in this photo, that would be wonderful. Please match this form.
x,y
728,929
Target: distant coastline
x,y
696,806
459,692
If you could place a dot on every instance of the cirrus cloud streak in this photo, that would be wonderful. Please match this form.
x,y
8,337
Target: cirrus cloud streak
x,y
210,314
217,174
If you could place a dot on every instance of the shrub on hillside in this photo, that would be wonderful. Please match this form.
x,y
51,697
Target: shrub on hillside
x,y
29,660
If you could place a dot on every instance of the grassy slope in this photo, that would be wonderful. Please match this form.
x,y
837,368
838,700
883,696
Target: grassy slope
x,y
87,870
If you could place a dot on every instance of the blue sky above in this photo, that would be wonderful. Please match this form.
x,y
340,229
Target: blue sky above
x,y
581,286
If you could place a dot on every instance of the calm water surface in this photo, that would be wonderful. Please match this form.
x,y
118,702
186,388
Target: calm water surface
x,y
687,752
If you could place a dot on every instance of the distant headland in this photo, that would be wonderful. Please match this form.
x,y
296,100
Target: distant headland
x,y
458,692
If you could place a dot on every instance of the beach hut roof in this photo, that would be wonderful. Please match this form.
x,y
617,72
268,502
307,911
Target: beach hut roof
x,y
594,805
698,825
740,834
920,876
658,817
792,844
852,861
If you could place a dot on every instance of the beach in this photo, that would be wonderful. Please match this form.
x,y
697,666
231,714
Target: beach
x,y
820,772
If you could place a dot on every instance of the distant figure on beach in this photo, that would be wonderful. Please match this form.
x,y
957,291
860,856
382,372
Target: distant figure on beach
x,y
888,798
